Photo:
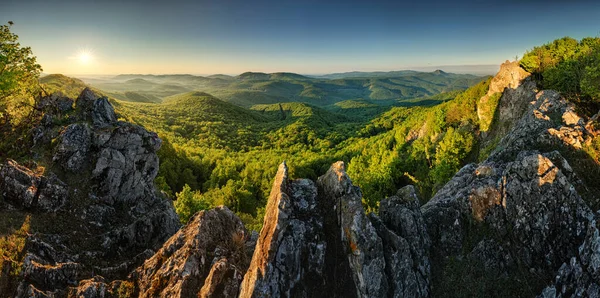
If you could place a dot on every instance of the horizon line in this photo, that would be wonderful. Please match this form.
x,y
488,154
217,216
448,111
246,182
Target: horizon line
x,y
415,68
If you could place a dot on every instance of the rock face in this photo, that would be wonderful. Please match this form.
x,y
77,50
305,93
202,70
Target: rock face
x,y
29,190
364,248
317,241
406,244
512,83
111,206
289,258
206,258
519,210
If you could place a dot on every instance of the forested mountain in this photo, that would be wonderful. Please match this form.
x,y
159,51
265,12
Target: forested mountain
x,y
252,88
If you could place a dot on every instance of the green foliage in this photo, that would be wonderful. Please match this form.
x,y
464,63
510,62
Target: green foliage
x,y
487,110
568,66
590,81
216,153
188,203
451,151
18,76
126,290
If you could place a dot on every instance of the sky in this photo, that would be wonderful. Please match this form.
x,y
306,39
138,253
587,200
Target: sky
x,y
308,37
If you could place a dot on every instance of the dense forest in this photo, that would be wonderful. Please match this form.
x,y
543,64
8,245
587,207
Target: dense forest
x,y
216,153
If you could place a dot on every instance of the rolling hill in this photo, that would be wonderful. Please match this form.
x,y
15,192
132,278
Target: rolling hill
x,y
251,88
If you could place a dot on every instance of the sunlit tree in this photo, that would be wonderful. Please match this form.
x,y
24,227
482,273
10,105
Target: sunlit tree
x,y
19,73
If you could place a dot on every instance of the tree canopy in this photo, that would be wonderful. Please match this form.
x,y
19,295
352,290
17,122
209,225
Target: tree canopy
x,y
19,73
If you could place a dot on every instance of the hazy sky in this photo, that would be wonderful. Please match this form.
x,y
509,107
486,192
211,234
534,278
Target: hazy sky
x,y
233,36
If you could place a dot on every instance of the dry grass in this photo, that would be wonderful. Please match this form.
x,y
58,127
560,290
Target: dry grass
x,y
11,257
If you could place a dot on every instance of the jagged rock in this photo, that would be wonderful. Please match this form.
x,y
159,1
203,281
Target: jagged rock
x,y
93,288
103,113
511,77
85,101
530,132
223,280
580,276
74,144
523,202
364,248
56,103
112,201
406,244
27,189
29,291
181,267
289,257
51,276
127,162
530,205
18,184
52,194
147,230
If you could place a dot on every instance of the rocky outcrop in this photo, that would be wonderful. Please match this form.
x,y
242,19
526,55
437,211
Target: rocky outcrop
x,y
317,241
364,248
114,213
519,210
24,188
511,82
406,244
206,258
73,147
289,258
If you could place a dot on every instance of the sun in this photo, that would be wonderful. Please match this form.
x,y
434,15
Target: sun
x,y
85,56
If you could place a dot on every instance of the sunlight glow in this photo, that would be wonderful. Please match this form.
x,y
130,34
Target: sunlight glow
x,y
85,56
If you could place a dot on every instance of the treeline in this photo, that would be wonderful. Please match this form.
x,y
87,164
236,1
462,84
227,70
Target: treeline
x,y
569,66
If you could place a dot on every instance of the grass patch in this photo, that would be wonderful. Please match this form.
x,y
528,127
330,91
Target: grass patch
x,y
11,256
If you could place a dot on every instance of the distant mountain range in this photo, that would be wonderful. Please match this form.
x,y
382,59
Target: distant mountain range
x,y
251,88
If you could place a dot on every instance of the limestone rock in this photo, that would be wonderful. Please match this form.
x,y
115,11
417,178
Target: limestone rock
x,y
511,77
364,248
580,276
181,267
118,217
27,189
522,202
406,244
85,101
74,145
18,184
223,280
103,113
51,276
56,103
289,257
127,162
